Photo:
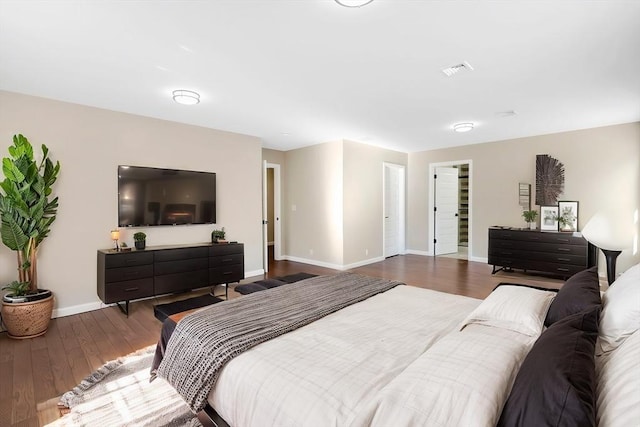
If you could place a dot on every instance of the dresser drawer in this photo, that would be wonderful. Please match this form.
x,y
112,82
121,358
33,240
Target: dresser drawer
x,y
558,258
226,274
225,249
180,266
128,290
223,260
128,273
179,254
538,247
537,236
178,282
128,259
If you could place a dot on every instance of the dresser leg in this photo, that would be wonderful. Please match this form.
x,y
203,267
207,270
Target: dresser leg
x,y
124,309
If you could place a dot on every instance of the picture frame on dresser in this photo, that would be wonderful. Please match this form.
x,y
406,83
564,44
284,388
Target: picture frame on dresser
x,y
568,214
549,218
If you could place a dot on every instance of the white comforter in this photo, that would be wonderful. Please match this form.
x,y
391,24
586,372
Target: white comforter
x,y
363,364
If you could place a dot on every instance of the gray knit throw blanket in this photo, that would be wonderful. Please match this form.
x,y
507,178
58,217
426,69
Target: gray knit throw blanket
x,y
205,340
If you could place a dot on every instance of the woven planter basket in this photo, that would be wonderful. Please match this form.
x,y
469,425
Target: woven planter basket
x,y
27,319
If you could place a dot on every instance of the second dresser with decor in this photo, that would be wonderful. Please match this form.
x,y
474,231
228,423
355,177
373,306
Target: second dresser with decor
x,y
558,253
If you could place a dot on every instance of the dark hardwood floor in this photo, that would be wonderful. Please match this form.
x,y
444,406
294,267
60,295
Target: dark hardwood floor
x,y
35,372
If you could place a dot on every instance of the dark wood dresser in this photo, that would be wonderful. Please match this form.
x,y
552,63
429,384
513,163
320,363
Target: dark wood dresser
x,y
558,253
125,276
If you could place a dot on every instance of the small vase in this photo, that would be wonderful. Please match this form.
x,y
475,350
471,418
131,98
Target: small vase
x,y
532,226
140,244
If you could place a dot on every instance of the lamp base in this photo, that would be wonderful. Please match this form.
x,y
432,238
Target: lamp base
x,y
610,257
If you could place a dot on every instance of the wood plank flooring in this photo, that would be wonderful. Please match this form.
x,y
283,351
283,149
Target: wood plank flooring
x,y
35,372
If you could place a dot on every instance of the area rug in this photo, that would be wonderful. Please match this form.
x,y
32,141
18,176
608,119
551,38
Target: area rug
x,y
119,394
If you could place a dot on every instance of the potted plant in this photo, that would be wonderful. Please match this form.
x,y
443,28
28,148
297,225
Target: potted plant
x,y
140,240
217,235
26,215
565,220
530,217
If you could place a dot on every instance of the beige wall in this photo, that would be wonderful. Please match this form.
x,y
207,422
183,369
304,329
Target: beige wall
x,y
312,228
602,170
363,199
90,143
336,188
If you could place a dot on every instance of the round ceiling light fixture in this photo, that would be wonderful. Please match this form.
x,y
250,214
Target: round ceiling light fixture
x,y
463,127
353,3
186,97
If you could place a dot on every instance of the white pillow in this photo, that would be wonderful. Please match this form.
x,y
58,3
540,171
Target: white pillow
x,y
618,379
620,315
517,308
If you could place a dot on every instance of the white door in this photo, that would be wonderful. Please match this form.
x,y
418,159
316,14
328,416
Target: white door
x,y
265,222
393,210
446,210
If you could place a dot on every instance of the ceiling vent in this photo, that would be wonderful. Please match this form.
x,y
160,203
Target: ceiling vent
x,y
450,71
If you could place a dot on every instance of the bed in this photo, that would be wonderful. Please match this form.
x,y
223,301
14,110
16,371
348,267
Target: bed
x,y
406,356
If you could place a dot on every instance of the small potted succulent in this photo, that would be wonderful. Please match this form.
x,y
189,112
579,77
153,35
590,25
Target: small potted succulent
x,y
140,240
530,217
217,236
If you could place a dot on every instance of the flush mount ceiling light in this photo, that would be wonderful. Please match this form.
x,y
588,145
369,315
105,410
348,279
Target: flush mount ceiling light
x,y
353,3
463,127
186,97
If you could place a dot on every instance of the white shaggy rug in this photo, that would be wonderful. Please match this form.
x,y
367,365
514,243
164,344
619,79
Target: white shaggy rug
x,y
119,394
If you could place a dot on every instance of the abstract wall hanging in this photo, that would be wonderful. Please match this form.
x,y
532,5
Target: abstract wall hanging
x,y
549,179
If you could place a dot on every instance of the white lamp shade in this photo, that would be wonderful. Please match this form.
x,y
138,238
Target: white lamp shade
x,y
607,233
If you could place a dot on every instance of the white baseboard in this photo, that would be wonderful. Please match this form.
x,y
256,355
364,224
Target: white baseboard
x,y
76,309
478,259
363,262
415,252
254,273
313,262
333,266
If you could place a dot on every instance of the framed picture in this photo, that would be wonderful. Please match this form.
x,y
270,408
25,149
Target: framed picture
x,y
549,218
568,215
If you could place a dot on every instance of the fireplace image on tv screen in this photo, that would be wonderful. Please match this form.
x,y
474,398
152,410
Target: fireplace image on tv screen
x,y
153,196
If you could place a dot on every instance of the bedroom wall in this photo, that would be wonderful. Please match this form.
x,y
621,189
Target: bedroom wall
x,y
602,170
90,143
336,188
363,200
313,207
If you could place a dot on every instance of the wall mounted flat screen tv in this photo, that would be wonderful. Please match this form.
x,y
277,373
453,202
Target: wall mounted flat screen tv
x,y
152,196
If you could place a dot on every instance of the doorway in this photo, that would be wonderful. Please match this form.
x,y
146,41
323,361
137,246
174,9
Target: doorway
x,y
271,220
450,209
393,190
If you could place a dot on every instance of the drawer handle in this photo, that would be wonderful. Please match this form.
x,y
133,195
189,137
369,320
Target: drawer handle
x,y
131,273
562,269
564,259
563,249
563,240
226,273
227,260
131,289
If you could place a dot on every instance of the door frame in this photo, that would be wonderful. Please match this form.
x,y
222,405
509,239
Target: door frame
x,y
277,227
401,208
430,216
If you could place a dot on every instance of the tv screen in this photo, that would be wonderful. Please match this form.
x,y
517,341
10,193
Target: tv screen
x,y
152,196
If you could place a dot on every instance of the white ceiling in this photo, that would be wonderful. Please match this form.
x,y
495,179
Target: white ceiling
x,y
302,72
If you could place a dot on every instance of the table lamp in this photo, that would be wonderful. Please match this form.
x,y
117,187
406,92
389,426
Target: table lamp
x,y
115,236
611,236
